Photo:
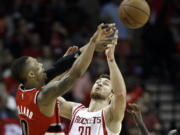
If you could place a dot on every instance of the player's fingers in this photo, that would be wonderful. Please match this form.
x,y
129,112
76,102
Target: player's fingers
x,y
108,46
130,111
74,48
100,26
135,107
109,39
108,33
108,26
69,49
132,106
116,33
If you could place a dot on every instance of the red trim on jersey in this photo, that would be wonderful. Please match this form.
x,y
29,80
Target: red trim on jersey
x,y
24,90
77,109
104,126
74,113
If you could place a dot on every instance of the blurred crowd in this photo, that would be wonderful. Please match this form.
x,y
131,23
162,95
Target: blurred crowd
x,y
44,29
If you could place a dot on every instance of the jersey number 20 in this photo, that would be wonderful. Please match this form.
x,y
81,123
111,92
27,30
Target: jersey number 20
x,y
86,130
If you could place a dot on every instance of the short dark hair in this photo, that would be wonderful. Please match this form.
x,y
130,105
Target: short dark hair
x,y
17,69
104,76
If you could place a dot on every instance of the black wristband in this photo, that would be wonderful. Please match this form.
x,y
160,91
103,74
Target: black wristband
x,y
61,65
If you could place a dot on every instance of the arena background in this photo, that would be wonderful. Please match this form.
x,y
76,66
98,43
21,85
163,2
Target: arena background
x,y
149,57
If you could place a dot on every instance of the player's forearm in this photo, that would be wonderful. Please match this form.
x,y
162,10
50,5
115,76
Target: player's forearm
x,y
83,61
142,128
116,78
60,87
118,104
79,67
62,65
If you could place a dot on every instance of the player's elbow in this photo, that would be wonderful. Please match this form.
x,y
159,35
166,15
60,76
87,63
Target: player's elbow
x,y
121,100
121,95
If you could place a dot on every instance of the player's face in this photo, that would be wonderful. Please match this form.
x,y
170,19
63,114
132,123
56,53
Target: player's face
x,y
101,89
37,69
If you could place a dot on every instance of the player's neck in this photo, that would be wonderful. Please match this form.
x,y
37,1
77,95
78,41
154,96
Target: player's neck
x,y
96,105
31,84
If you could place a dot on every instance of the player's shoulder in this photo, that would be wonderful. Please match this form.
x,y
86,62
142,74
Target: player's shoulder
x,y
26,94
77,108
22,89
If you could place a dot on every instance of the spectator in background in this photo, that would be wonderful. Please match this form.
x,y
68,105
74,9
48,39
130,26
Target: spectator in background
x,y
91,8
3,22
10,127
10,83
7,104
47,57
58,39
34,49
81,87
158,40
9,123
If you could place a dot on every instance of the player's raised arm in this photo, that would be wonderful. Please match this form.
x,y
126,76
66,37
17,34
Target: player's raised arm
x,y
66,107
118,103
135,111
49,93
65,63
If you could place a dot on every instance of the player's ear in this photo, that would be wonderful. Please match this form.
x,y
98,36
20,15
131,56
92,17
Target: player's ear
x,y
31,74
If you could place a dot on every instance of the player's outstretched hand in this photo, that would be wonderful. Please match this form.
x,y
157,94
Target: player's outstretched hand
x,y
103,31
70,50
111,47
101,45
135,111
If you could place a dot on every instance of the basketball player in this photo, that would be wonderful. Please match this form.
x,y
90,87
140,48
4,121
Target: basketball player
x,y
135,111
36,102
107,106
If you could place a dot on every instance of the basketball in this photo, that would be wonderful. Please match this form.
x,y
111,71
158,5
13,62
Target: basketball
x,y
134,13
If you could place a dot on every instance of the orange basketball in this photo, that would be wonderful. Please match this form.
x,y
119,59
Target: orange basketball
x,y
134,13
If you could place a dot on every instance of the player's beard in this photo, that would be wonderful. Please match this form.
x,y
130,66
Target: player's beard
x,y
97,96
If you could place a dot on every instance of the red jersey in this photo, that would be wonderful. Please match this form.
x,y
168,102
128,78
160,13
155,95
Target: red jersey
x,y
33,122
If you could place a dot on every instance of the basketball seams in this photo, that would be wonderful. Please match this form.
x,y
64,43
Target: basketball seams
x,y
126,5
131,17
124,18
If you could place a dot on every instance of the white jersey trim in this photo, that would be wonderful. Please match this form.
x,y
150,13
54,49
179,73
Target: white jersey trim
x,y
35,97
24,90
